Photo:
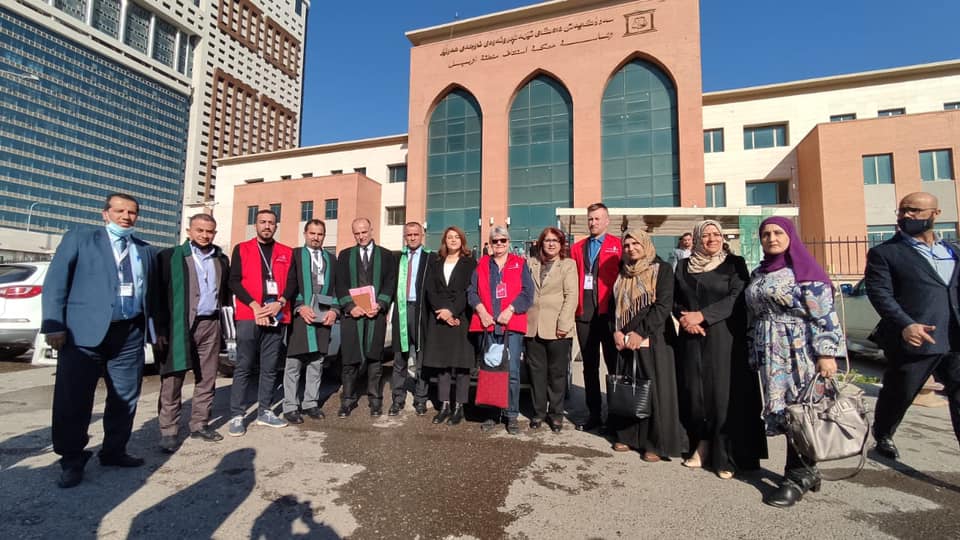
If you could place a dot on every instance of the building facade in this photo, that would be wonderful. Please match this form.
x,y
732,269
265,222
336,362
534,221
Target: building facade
x,y
528,116
140,97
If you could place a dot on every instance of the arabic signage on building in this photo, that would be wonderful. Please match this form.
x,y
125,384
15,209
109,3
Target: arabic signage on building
x,y
545,38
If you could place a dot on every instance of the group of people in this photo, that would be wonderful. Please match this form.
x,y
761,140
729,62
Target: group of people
x,y
700,327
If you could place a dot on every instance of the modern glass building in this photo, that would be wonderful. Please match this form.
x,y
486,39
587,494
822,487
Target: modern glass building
x,y
76,126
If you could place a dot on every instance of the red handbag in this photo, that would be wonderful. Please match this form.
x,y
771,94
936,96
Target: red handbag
x,y
492,388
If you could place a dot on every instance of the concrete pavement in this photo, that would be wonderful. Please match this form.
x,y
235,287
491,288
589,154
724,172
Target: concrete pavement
x,y
403,477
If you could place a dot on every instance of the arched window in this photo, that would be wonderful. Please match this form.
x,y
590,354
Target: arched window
x,y
641,162
541,162
453,167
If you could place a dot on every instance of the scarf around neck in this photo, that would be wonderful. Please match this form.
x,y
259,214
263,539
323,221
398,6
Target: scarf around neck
x,y
700,260
636,286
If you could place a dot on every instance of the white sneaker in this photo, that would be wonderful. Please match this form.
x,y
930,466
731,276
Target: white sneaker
x,y
235,428
267,418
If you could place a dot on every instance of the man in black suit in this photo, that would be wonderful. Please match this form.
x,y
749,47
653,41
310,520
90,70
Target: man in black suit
x,y
363,328
912,282
408,320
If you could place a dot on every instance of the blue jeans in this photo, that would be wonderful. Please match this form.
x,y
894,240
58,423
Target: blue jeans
x,y
120,358
514,342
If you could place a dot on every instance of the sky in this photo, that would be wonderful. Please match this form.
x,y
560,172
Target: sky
x,y
357,67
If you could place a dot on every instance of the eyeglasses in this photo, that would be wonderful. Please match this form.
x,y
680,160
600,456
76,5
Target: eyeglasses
x,y
496,241
911,210
550,241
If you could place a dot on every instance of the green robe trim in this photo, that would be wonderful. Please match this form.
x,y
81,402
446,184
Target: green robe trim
x,y
307,277
402,304
365,336
179,335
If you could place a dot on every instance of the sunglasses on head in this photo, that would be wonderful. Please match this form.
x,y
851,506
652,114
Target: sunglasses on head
x,y
499,241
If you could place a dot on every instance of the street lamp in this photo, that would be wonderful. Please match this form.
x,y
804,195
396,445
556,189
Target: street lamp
x,y
30,213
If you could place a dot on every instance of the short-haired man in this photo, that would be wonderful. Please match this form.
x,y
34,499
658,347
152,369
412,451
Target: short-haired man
x,y
96,313
409,322
194,278
311,286
598,261
363,329
912,281
258,268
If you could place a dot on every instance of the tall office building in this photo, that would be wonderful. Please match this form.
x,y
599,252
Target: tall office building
x,y
140,97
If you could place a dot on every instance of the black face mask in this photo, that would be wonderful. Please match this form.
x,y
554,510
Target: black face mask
x,y
913,227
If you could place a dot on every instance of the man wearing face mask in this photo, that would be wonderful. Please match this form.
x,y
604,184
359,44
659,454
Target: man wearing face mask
x,y
912,281
96,313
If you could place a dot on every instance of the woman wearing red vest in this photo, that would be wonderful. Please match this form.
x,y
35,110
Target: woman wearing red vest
x,y
501,292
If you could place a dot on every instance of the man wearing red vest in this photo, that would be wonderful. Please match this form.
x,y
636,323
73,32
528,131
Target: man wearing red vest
x,y
598,262
258,269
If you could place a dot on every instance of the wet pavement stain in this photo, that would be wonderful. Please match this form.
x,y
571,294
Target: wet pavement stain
x,y
940,488
436,470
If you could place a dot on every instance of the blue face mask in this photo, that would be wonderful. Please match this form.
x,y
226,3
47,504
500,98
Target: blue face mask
x,y
117,230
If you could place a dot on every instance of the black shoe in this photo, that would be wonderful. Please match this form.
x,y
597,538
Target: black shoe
x,y
293,417
72,474
785,496
536,423
315,413
122,460
168,444
457,415
207,434
488,425
555,425
444,413
513,426
420,409
345,410
591,424
887,449
376,412
395,410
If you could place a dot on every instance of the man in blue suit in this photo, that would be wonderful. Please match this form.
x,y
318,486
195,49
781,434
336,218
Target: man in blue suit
x,y
912,281
96,309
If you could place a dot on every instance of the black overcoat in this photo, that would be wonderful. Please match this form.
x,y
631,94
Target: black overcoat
x,y
449,346
363,338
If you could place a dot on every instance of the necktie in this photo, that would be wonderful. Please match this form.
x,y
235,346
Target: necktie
x,y
410,276
126,276
365,258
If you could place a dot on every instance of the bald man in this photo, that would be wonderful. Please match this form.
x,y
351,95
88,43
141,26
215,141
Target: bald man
x,y
912,281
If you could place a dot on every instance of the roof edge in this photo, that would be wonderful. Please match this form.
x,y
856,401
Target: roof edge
x,y
316,149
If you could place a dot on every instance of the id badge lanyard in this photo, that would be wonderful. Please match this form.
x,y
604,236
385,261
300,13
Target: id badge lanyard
x,y
272,289
126,289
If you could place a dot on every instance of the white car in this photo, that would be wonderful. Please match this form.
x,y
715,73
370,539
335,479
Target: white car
x,y
859,319
20,314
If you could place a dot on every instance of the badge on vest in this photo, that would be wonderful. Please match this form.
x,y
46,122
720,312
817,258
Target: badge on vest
x,y
501,290
588,281
126,289
272,289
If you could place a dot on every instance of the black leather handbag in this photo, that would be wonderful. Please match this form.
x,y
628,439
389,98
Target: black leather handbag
x,y
628,395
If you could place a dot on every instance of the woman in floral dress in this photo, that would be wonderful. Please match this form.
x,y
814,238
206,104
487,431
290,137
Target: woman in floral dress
x,y
794,334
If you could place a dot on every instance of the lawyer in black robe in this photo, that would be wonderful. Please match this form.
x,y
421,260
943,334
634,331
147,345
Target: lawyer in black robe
x,y
362,338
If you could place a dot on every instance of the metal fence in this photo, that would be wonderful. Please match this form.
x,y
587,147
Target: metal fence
x,y
841,257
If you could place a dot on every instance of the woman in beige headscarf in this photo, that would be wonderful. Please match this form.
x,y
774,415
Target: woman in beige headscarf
x,y
643,331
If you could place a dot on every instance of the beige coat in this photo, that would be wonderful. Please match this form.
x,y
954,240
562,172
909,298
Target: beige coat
x,y
554,300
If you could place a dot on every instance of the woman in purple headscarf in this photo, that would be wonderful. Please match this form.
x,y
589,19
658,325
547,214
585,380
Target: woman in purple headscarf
x,y
794,333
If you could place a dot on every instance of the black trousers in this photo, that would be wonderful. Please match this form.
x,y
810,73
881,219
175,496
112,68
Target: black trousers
x,y
902,381
398,380
547,363
446,377
592,336
349,378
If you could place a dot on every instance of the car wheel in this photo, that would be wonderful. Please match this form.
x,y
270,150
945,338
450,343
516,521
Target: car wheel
x,y
12,352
